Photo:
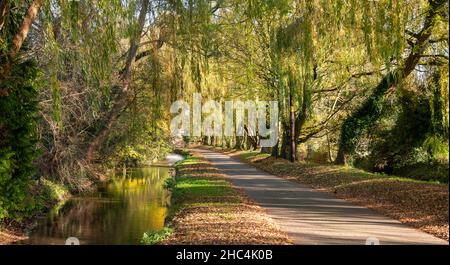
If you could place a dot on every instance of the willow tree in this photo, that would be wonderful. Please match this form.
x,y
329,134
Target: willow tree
x,y
122,98
252,65
296,41
319,55
87,52
408,48
318,58
78,46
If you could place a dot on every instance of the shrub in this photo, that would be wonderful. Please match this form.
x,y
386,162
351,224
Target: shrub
x,y
17,138
156,237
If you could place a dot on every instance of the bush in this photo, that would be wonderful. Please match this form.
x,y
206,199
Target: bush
x,y
17,138
41,196
52,191
170,183
434,171
130,157
317,153
153,238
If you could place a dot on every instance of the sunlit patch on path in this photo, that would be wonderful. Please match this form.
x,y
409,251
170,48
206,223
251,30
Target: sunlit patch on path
x,y
311,217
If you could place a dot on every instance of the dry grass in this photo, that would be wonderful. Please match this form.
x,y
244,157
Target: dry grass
x,y
422,205
209,210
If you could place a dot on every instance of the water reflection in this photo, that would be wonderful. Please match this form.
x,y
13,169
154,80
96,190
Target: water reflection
x,y
132,202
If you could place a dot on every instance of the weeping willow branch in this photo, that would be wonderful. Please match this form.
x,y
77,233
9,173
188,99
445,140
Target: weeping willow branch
x,y
121,100
338,87
358,123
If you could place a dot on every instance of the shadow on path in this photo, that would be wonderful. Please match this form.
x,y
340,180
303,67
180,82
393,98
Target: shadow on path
x,y
312,217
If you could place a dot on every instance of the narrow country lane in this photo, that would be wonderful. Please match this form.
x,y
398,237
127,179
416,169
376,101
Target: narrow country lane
x,y
312,217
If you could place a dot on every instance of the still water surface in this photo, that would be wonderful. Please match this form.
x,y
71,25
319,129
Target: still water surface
x,y
132,202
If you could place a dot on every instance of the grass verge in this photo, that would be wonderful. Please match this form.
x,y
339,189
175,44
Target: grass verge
x,y
420,204
207,209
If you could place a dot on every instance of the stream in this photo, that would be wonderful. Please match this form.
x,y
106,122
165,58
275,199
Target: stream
x,y
131,202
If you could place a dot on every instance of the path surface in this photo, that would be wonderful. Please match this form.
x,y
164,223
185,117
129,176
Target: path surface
x,y
311,217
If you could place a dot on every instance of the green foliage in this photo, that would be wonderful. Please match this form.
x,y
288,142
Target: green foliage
x,y
130,157
328,55
52,191
364,117
139,153
415,145
426,171
41,195
437,148
154,238
18,138
170,183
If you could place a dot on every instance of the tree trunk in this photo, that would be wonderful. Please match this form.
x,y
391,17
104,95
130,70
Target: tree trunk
x,y
121,100
18,39
4,10
252,141
293,132
341,158
330,157
227,142
285,151
358,123
274,151
238,143
266,150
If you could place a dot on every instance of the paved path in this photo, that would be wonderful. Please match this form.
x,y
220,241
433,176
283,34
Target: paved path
x,y
311,217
